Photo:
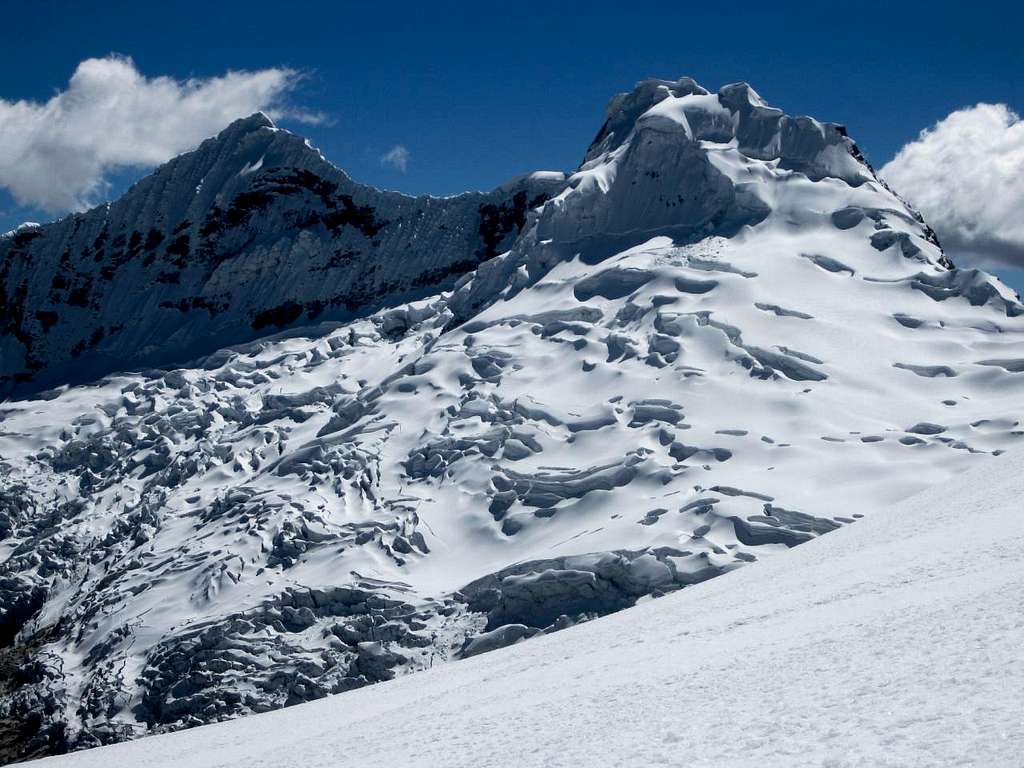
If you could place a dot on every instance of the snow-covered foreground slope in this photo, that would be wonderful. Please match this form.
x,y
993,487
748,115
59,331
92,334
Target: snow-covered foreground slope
x,y
722,338
894,642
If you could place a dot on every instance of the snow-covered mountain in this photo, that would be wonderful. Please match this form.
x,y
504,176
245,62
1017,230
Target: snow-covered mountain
x,y
252,232
719,338
895,642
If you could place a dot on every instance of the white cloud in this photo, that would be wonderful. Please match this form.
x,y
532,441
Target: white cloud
x,y
55,155
966,175
397,157
299,115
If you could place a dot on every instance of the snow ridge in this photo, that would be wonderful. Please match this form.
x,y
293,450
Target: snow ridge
x,y
250,233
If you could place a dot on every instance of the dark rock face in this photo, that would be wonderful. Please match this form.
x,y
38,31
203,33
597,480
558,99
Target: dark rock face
x,y
249,234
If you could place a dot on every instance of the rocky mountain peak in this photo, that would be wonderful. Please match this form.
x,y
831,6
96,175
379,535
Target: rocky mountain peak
x,y
251,232
253,122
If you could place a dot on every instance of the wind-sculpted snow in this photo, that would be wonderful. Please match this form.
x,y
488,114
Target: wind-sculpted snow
x,y
583,423
893,642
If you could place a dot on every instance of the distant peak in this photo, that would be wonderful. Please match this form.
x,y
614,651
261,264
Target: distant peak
x,y
238,129
240,139
253,122
21,228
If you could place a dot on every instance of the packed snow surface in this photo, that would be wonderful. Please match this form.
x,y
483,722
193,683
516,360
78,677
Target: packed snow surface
x,y
894,642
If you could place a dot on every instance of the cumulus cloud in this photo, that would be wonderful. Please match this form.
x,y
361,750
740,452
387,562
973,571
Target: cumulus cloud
x,y
966,175
397,157
57,154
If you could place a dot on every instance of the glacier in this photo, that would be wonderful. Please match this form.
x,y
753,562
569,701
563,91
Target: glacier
x,y
721,337
894,642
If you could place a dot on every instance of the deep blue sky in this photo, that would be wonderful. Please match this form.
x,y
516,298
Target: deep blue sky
x,y
480,92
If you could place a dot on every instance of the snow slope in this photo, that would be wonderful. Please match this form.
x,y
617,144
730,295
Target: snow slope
x,y
722,338
894,642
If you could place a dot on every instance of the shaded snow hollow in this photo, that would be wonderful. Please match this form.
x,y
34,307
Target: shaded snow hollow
x,y
894,642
